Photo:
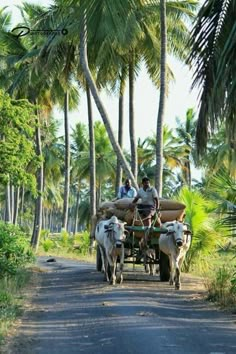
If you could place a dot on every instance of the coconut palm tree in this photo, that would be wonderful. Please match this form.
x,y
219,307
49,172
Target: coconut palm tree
x,y
59,72
186,133
105,158
161,110
92,155
212,55
220,153
101,22
79,148
94,91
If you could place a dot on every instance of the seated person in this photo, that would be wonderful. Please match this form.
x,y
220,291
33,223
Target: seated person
x,y
127,191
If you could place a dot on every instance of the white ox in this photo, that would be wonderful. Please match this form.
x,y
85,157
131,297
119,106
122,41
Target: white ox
x,y
175,244
110,236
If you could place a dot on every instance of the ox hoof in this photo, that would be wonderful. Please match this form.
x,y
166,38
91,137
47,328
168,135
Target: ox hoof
x,y
113,281
121,279
152,271
177,287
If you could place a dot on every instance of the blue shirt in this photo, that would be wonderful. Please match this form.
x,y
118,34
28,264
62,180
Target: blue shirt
x,y
126,193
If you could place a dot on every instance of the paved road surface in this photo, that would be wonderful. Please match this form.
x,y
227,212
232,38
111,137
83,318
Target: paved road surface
x,y
75,311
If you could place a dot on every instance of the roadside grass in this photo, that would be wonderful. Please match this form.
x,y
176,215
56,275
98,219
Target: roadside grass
x,y
11,299
221,279
219,273
68,246
16,256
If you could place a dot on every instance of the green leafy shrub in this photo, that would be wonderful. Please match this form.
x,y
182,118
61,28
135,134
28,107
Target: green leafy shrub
x,y
47,245
82,241
15,251
5,299
44,234
221,286
233,282
11,299
64,238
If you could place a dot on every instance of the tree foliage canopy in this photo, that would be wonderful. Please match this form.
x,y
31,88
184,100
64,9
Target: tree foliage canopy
x,y
17,124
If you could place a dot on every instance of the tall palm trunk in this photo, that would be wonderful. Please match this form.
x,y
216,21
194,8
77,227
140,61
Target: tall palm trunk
x,y
12,196
16,205
120,133
22,204
92,165
67,163
187,173
39,201
161,110
8,216
76,212
133,147
99,104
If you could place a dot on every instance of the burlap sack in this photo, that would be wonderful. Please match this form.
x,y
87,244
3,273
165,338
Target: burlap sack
x,y
123,203
129,216
106,205
168,204
117,212
108,213
170,215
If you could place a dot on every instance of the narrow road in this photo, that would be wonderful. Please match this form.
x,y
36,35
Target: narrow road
x,y
75,311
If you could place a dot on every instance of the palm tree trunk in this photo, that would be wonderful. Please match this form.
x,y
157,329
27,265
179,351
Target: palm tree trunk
x,y
120,141
12,196
161,110
39,201
22,204
50,220
67,164
99,104
92,165
76,212
16,205
133,147
120,131
189,173
8,217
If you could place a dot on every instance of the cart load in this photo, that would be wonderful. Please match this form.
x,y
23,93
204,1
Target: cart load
x,y
169,210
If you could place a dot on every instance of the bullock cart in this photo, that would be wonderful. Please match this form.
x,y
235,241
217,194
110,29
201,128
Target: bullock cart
x,y
148,254
142,242
137,255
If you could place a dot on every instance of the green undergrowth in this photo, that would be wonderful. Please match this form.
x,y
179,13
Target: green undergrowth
x,y
68,246
219,273
12,299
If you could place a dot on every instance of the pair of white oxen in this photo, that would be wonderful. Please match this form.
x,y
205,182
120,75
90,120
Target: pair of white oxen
x,y
111,234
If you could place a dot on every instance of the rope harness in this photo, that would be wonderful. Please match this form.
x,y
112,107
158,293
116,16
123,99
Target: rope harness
x,y
111,234
145,238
